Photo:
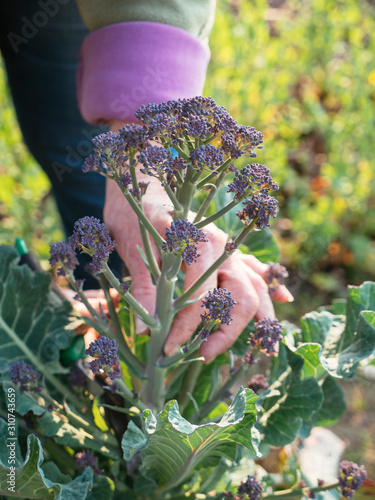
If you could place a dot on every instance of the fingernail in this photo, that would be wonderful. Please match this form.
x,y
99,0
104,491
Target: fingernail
x,y
140,327
170,350
290,297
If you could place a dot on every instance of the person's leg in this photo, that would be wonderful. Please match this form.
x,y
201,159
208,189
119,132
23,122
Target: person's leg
x,y
40,42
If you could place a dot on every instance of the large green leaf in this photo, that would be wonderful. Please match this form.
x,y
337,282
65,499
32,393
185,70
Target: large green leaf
x,y
360,298
103,488
32,326
176,447
32,483
288,404
333,403
26,401
77,436
342,349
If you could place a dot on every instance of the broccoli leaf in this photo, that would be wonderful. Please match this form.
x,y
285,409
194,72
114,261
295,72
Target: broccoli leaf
x,y
31,482
175,447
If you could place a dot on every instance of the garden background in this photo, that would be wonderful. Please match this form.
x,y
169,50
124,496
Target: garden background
x,y
303,72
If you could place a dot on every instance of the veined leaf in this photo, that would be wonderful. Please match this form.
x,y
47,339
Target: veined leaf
x,y
333,403
360,298
31,326
342,349
288,404
32,483
176,447
77,436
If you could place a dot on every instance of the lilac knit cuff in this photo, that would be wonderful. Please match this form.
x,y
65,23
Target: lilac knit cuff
x,y
126,65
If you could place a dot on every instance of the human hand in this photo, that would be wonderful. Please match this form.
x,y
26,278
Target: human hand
x,y
98,302
242,274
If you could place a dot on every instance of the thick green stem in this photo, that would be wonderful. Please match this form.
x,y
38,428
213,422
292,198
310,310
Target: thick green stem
x,y
154,390
143,219
185,195
188,386
154,268
219,396
206,203
179,303
135,365
176,358
127,394
144,233
172,197
111,307
84,300
181,152
146,317
245,232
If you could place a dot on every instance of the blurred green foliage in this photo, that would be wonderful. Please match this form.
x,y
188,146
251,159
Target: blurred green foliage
x,y
303,72
26,206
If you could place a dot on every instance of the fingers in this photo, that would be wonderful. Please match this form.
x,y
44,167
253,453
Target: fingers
x,y
265,309
188,319
281,293
234,277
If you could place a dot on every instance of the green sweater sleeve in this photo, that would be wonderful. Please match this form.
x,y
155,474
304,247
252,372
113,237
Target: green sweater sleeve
x,y
194,16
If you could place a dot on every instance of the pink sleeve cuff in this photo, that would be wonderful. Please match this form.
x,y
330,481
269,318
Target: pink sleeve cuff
x,y
126,65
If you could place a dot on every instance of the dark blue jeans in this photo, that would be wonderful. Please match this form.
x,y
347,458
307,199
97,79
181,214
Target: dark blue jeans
x,y
40,42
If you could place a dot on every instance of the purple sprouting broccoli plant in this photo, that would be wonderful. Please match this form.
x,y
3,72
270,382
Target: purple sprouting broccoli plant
x,y
252,179
86,459
267,334
251,488
217,305
182,238
351,477
186,149
259,209
92,237
105,354
208,157
62,253
258,383
275,276
24,374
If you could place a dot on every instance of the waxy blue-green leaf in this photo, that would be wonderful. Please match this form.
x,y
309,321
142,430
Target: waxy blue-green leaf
x,y
342,349
133,440
288,403
32,483
311,355
103,488
359,298
333,405
77,436
4,450
176,447
31,324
